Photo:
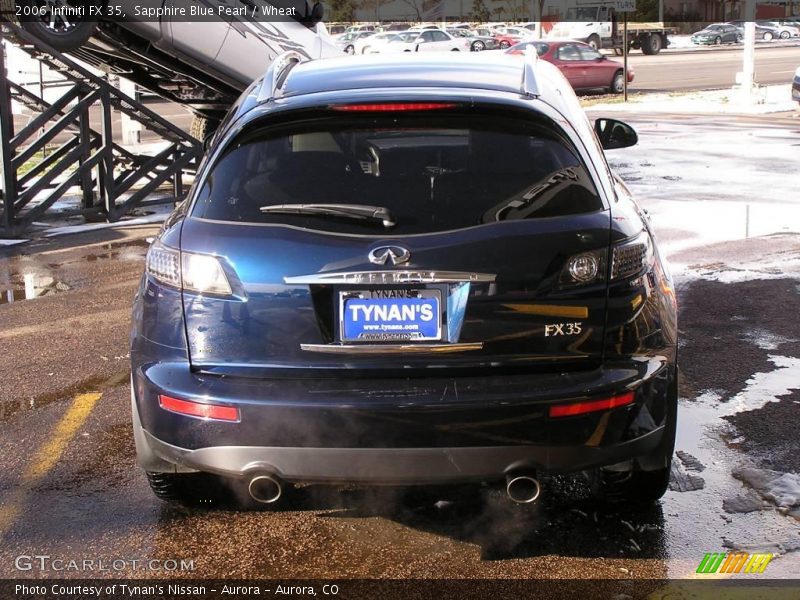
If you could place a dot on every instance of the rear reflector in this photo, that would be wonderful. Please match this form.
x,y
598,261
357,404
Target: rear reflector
x,y
580,408
197,409
393,107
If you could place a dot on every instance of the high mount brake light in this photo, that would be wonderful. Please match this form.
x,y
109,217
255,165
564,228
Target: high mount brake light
x,y
581,408
393,106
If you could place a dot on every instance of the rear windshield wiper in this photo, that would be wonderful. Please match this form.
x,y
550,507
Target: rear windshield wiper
x,y
349,211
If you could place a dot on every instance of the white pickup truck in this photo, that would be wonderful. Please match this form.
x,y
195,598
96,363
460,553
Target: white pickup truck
x,y
601,27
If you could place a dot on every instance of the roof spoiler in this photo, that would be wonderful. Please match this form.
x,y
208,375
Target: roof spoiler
x,y
529,87
277,73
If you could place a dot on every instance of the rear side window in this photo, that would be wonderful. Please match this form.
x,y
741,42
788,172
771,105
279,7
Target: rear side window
x,y
429,176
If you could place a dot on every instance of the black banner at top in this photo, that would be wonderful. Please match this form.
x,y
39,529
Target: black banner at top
x,y
398,11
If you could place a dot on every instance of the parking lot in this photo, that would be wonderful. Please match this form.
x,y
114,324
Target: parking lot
x,y
729,223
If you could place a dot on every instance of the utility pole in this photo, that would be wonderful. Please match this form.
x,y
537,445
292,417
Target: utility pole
x,y
746,77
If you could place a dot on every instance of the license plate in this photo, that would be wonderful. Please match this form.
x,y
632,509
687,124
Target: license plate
x,y
390,315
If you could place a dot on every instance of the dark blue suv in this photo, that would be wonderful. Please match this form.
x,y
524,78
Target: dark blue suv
x,y
406,270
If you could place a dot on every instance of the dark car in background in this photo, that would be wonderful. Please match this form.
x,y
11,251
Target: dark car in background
x,y
584,67
796,85
406,270
717,34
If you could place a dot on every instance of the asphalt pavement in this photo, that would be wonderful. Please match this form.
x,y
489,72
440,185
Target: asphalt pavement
x,y
683,71
69,487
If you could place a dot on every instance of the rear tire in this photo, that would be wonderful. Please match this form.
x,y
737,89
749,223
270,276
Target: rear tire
x,y
478,46
350,50
594,41
203,127
504,45
651,44
188,489
618,83
785,35
635,486
768,37
60,36
717,41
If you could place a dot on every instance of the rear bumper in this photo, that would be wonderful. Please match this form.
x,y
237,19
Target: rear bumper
x,y
400,465
403,431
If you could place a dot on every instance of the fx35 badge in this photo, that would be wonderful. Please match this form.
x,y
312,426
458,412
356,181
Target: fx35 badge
x,y
553,329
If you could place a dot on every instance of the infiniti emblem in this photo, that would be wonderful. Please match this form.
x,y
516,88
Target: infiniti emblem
x,y
395,255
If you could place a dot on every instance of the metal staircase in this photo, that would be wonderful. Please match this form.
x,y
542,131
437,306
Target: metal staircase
x,y
111,180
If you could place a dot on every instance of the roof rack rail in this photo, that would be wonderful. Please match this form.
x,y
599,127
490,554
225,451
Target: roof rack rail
x,y
529,87
277,73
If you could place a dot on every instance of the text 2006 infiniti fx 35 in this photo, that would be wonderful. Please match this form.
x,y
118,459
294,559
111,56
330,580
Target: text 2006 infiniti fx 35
x,y
407,270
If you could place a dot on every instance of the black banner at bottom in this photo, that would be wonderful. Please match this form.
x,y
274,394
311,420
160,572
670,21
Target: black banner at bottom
x,y
410,589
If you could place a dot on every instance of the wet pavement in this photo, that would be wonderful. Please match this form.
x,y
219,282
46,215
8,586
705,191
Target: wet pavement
x,y
69,487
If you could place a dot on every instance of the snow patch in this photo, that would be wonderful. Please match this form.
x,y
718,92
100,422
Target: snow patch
x,y
772,98
5,242
782,489
767,340
68,229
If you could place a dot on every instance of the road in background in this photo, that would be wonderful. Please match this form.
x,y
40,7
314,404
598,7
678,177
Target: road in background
x,y
681,71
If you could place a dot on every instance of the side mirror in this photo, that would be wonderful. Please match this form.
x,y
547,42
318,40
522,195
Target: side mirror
x,y
419,40
615,134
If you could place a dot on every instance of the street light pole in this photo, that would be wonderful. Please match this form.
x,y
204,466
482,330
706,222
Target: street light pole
x,y
748,62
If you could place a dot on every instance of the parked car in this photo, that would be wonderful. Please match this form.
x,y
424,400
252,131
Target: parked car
x,y
363,28
764,31
373,43
347,42
584,67
477,42
717,34
506,40
783,30
522,33
796,85
406,270
427,40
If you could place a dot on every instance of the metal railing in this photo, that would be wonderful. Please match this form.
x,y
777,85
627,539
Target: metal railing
x,y
110,179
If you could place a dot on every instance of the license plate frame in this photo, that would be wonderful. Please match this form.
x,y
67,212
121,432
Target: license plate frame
x,y
349,332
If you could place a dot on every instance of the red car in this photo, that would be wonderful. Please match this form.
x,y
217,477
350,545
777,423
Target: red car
x,y
583,66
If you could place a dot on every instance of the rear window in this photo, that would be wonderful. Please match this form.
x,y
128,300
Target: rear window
x,y
429,176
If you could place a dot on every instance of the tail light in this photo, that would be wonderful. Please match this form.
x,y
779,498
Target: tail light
x,y
628,259
200,273
582,408
632,257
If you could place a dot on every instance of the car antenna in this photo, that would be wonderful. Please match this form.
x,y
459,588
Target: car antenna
x,y
529,87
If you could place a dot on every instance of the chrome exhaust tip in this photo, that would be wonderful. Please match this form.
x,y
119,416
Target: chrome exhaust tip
x,y
522,489
265,489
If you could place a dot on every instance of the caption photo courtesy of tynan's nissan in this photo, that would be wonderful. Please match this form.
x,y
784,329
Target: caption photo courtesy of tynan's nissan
x,y
402,299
